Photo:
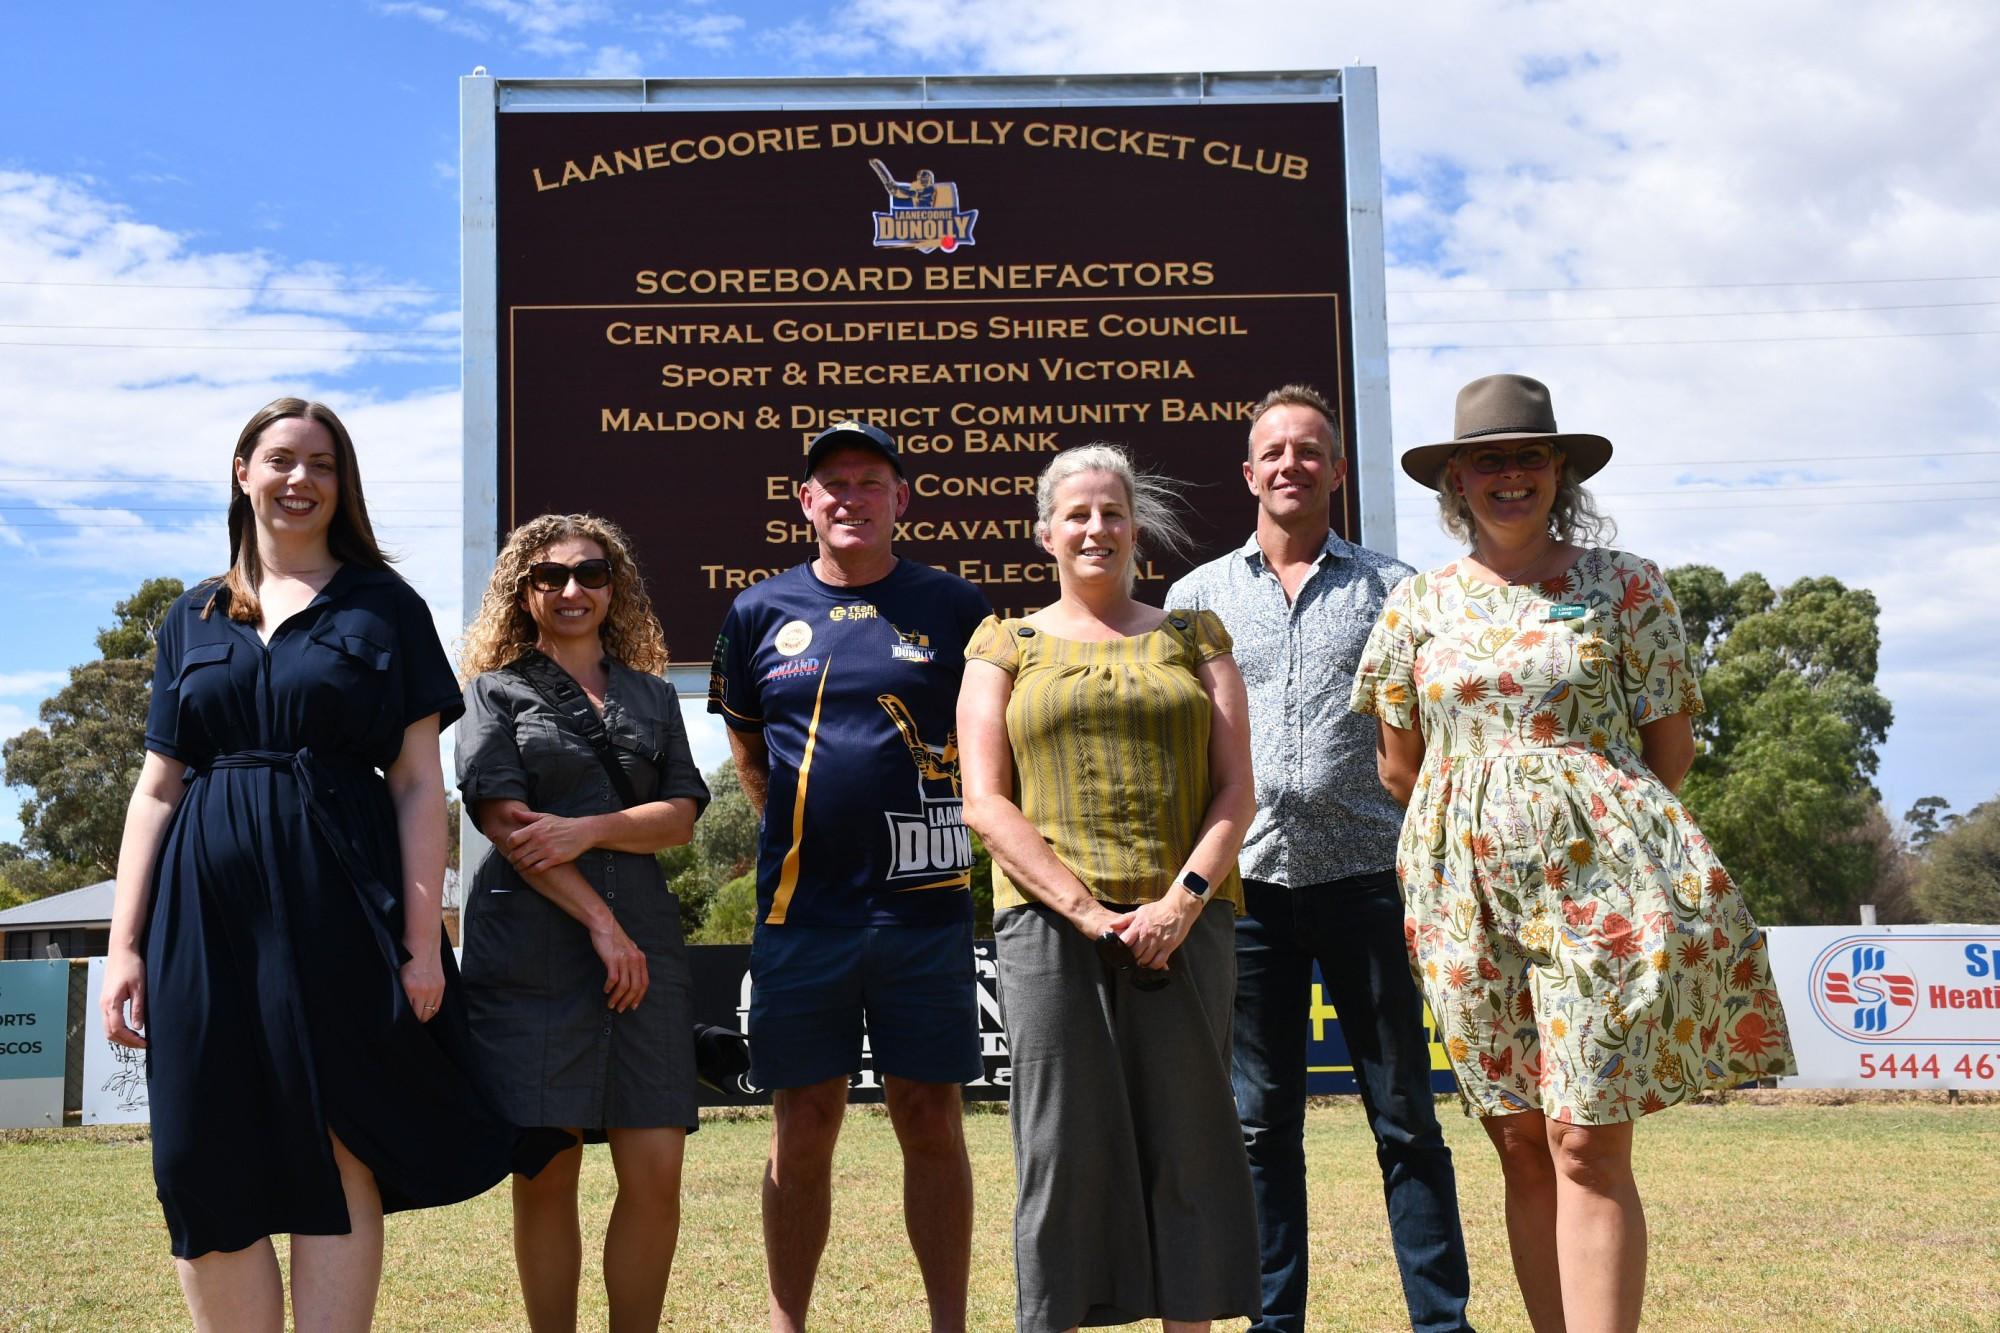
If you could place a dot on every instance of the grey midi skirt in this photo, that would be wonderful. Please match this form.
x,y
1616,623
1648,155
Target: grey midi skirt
x,y
1133,1193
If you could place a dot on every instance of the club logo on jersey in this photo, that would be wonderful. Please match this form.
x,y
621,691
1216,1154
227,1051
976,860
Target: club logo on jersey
x,y
910,645
923,214
793,638
932,844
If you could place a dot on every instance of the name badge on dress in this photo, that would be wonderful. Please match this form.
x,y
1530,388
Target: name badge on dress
x,y
1568,611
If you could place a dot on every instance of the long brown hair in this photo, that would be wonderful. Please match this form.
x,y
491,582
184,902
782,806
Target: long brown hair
x,y
503,629
350,537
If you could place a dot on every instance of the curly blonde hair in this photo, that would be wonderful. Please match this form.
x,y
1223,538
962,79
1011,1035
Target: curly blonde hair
x,y
503,629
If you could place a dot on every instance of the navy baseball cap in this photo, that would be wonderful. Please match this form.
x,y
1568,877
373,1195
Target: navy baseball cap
x,y
852,435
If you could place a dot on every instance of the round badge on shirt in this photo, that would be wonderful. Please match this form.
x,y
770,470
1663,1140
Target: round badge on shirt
x,y
793,638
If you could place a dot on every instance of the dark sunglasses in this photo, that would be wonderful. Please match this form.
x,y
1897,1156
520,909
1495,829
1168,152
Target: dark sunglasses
x,y
1116,956
552,577
1528,458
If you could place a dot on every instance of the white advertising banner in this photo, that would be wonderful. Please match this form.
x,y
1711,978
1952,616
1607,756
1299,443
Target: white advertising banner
x,y
114,1076
1891,1006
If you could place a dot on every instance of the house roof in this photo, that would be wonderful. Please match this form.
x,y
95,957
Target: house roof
x,y
87,906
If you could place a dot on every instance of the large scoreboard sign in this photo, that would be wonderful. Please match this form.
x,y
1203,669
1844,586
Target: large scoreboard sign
x,y
671,286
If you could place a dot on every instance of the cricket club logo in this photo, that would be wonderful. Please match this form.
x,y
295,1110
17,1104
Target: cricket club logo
x,y
923,214
1862,990
932,844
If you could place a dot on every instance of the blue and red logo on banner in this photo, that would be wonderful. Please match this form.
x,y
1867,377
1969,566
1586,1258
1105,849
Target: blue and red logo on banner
x,y
1865,989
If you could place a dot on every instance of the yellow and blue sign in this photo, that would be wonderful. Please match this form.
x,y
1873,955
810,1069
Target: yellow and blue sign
x,y
1329,1068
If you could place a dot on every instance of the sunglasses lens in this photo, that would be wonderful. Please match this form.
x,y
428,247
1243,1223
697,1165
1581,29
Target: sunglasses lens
x,y
1535,457
552,577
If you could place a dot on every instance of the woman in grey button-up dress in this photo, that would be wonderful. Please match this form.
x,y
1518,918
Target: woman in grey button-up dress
x,y
576,976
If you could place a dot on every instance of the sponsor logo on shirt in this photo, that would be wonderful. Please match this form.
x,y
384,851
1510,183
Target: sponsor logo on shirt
x,y
803,666
793,638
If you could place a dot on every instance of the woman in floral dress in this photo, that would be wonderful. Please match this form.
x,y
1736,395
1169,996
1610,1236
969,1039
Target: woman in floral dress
x,y
1585,954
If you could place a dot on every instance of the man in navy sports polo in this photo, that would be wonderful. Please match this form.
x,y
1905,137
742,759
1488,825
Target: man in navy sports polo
x,y
838,680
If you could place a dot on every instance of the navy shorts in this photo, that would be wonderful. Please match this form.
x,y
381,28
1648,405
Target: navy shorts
x,y
814,989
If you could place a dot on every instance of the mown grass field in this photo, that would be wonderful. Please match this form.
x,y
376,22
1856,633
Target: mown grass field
x,y
1769,1211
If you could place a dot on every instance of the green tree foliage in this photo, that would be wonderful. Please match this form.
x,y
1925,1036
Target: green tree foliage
x,y
82,761
732,913
724,848
1960,880
25,876
1923,819
1782,785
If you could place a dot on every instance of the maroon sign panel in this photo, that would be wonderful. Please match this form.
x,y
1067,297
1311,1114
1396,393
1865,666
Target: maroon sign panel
x,y
687,297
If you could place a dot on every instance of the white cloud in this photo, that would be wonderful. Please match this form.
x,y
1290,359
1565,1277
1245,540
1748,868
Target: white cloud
x,y
437,16
615,62
544,26
35,685
135,359
715,32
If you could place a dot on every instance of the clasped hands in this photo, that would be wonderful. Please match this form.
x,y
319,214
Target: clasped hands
x,y
1152,931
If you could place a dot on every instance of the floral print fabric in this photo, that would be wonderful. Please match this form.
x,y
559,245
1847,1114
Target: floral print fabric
x,y
1583,951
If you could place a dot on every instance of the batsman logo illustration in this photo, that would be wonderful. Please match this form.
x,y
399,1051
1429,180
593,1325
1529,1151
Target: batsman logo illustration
x,y
923,214
933,842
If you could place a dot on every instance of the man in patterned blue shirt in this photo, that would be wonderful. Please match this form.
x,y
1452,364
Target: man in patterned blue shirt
x,y
1318,871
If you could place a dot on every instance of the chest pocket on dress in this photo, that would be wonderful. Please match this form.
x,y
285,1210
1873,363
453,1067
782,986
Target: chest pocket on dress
x,y
562,769
204,696
201,655
349,675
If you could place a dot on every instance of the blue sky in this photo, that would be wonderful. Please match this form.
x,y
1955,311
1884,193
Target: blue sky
x,y
230,201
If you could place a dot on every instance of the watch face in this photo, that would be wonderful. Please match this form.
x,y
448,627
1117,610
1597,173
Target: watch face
x,y
1194,884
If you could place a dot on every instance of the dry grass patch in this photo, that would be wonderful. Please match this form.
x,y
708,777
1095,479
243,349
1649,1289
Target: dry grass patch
x,y
1768,1211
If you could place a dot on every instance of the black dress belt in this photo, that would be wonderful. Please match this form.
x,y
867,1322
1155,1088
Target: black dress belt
x,y
318,779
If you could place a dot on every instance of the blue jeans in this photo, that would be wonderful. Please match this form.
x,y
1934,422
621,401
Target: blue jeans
x,y
1354,927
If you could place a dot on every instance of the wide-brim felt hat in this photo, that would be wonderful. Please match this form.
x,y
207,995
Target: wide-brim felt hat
x,y
853,435
1500,408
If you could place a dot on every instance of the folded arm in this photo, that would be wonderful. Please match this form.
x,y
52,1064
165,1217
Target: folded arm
x,y
625,979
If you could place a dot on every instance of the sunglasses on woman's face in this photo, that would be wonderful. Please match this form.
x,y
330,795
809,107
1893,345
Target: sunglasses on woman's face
x,y
552,577
1528,458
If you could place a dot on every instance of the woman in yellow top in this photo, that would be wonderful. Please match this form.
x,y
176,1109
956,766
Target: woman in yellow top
x,y
1105,753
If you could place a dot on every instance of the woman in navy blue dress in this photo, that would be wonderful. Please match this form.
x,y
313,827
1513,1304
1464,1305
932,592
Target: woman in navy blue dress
x,y
277,928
